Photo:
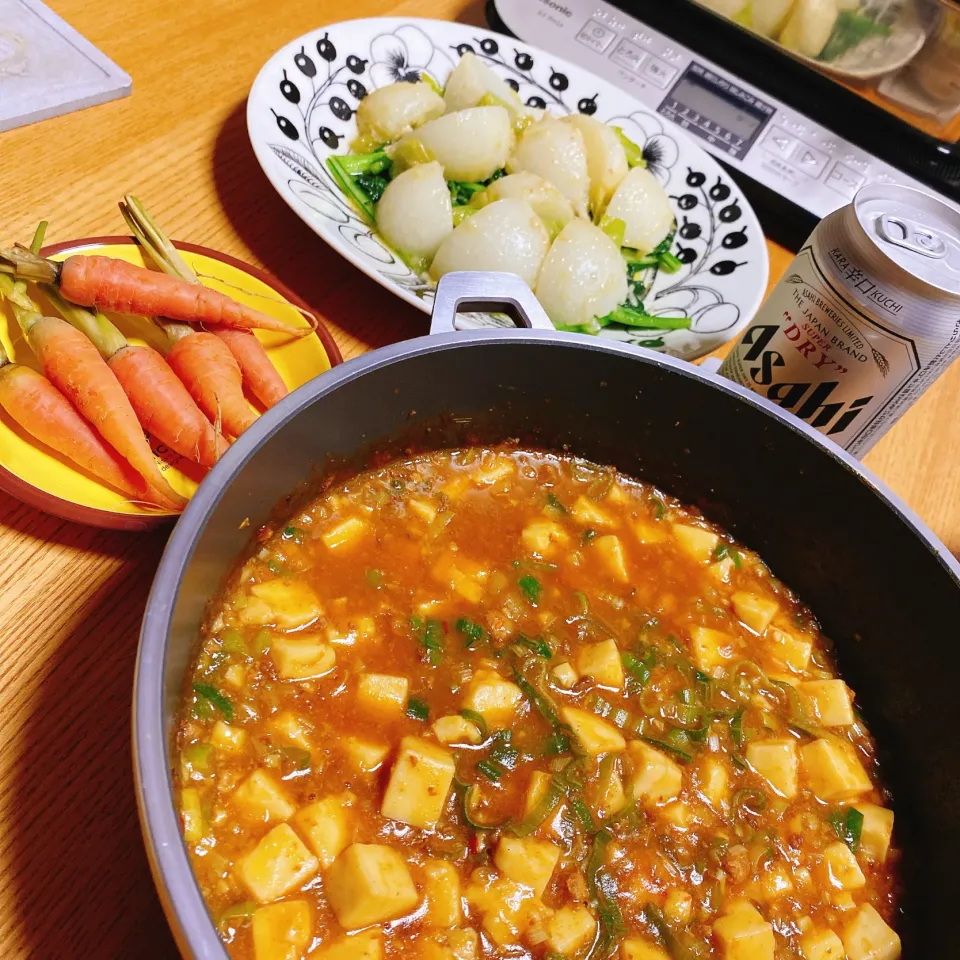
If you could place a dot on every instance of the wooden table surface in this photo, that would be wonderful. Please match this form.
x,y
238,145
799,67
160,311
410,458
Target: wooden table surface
x,y
74,880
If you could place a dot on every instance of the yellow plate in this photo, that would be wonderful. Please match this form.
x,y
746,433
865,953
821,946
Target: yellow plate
x,y
41,477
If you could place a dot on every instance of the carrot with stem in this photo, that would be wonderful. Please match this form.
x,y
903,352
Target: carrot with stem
x,y
161,402
110,284
259,373
42,411
73,365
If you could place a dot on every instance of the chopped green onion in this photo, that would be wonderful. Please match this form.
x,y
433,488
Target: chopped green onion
x,y
668,747
238,912
374,577
531,587
583,604
430,634
476,719
469,810
601,707
294,533
601,893
261,642
505,755
558,742
542,809
848,827
659,508
231,641
588,537
418,709
472,632
724,550
297,757
736,729
276,567
749,799
198,755
490,769
637,668
554,504
356,163
215,697
537,644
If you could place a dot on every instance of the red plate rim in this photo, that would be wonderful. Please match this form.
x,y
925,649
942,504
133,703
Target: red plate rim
x,y
108,519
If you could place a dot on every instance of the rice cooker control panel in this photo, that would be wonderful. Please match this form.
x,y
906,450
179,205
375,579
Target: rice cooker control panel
x,y
737,122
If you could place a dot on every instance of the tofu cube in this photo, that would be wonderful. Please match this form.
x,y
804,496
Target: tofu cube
x,y
744,934
225,737
419,783
361,946
495,699
383,694
327,826
696,542
610,550
542,538
832,771
634,949
456,729
441,887
841,868
369,883
713,782
277,864
777,762
281,931
821,945
867,937
656,778
876,831
585,511
678,907
424,509
535,791
345,534
756,612
785,650
602,662
507,909
290,728
830,701
302,659
261,798
678,814
772,883
569,929
712,649
722,570
610,797
650,531
284,603
596,736
527,860
564,675
461,575
191,815
235,676
365,755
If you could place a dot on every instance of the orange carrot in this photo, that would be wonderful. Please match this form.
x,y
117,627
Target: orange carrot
x,y
48,416
259,373
109,284
161,402
73,364
163,405
206,366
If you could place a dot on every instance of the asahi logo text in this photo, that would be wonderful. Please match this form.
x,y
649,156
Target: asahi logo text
x,y
863,284
805,399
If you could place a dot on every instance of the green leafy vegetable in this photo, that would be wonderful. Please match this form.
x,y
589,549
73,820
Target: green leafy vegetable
x,y
850,29
537,644
214,696
636,317
554,505
633,152
418,709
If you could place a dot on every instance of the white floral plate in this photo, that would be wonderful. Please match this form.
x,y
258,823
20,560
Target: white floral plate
x,y
302,109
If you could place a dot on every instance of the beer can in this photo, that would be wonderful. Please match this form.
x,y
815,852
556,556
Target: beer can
x,y
865,318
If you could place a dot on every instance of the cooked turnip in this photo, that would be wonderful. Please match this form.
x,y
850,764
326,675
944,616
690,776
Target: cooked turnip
x,y
809,27
471,81
556,152
414,214
769,17
582,277
386,114
470,144
644,207
606,159
506,236
548,203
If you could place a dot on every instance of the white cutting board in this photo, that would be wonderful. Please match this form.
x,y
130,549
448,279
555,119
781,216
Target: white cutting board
x,y
47,68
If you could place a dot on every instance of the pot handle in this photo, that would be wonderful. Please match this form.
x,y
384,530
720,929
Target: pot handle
x,y
472,290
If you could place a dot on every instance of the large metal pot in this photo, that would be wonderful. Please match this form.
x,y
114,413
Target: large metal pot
x,y
884,588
